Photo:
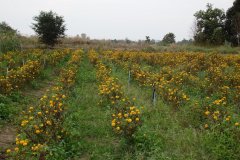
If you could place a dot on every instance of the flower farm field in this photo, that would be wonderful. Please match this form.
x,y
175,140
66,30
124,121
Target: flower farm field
x,y
86,104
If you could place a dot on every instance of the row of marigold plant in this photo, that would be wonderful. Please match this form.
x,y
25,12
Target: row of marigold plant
x,y
220,88
18,77
14,59
42,124
126,116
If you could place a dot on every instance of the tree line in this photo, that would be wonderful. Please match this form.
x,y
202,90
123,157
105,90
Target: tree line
x,y
212,27
215,27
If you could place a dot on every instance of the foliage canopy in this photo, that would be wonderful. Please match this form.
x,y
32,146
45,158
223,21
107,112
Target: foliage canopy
x,y
49,27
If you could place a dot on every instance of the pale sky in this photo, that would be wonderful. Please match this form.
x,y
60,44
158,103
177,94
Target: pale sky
x,y
111,19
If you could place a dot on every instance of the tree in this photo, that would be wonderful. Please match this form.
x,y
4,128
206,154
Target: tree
x,y
232,24
128,41
169,38
210,26
49,27
147,39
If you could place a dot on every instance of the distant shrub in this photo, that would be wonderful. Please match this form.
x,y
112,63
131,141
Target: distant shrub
x,y
9,40
9,43
149,49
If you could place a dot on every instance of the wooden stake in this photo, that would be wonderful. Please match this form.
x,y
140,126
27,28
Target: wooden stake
x,y
7,71
154,96
129,77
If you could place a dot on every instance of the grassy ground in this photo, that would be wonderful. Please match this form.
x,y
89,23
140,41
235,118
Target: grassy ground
x,y
166,136
160,137
88,123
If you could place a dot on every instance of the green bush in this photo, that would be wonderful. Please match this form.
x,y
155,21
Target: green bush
x,y
5,112
9,42
9,38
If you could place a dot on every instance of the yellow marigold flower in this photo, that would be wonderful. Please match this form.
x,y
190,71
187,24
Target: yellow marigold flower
x,y
215,117
207,113
113,124
228,118
16,149
129,120
137,119
8,150
119,115
132,108
49,122
25,143
236,124
21,142
206,126
39,113
184,96
118,128
37,131
51,103
24,122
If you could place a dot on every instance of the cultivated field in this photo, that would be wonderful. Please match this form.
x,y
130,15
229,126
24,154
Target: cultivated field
x,y
108,104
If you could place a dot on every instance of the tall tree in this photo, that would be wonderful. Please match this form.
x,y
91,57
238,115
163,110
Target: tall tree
x,y
169,38
210,26
232,25
49,27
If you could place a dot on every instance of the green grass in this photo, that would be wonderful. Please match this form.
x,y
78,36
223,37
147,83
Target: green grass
x,y
170,134
89,124
160,137
168,138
